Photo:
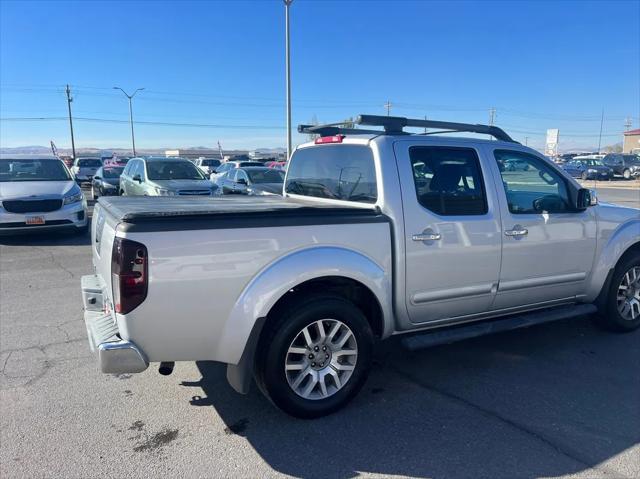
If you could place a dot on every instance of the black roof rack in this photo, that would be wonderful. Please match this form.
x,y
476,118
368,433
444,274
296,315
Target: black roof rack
x,y
394,125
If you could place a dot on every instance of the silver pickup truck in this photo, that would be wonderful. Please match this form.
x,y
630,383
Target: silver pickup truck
x,y
379,232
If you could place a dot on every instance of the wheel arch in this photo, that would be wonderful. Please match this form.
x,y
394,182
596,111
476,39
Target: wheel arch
x,y
347,272
620,246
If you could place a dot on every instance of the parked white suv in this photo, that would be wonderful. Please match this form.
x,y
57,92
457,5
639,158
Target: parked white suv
x,y
37,194
379,233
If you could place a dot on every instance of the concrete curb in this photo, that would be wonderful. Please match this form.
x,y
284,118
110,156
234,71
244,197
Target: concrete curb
x,y
617,184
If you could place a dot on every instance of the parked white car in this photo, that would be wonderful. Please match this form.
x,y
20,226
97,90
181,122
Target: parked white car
x,y
84,169
207,165
39,194
379,233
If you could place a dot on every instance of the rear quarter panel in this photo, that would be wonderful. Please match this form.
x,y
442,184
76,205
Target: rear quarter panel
x,y
198,282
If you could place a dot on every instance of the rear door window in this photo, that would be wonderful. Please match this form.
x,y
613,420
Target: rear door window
x,y
338,172
448,180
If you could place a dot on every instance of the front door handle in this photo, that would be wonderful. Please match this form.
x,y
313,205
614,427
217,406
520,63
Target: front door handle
x,y
517,231
426,237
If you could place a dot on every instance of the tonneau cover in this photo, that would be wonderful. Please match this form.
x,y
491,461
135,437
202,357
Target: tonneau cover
x,y
138,209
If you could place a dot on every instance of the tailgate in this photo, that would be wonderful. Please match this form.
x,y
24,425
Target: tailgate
x,y
103,232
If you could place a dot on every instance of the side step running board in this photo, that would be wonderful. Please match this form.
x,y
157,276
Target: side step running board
x,y
473,330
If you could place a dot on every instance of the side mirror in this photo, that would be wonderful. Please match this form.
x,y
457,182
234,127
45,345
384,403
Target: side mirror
x,y
242,181
586,198
97,178
137,178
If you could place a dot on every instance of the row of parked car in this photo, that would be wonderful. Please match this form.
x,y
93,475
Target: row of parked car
x,y
45,193
161,176
603,167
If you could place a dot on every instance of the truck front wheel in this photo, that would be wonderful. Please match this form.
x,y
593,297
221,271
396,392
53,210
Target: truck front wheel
x,y
314,357
622,309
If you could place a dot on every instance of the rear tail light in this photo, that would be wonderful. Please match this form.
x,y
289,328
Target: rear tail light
x,y
129,274
329,139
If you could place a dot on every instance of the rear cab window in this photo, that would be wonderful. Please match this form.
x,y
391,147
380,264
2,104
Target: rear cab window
x,y
339,172
90,163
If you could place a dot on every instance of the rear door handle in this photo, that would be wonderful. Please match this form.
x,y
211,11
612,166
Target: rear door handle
x,y
517,231
426,237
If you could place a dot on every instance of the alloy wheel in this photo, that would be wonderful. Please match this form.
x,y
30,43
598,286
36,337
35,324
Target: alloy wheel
x,y
628,297
321,359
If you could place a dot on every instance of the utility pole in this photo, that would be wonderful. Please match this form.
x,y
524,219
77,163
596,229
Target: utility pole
x,y
492,119
526,141
425,128
600,136
287,4
73,142
627,124
388,107
133,140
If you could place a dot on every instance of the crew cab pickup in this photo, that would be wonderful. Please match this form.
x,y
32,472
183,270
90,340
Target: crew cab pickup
x,y
378,233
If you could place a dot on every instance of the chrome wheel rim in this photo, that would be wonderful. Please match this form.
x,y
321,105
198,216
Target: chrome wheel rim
x,y
321,359
629,294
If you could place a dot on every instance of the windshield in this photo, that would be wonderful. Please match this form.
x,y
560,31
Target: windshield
x,y
340,172
112,172
173,170
33,170
250,163
94,163
266,175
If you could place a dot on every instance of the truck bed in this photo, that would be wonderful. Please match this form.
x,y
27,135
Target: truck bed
x,y
175,213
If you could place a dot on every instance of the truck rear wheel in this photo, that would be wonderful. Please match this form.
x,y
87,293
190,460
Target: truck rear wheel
x,y
622,310
315,356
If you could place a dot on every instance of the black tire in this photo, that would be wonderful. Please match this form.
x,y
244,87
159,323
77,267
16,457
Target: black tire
x,y
610,318
277,336
585,175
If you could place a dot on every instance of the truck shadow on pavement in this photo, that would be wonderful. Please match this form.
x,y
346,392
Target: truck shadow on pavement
x,y
545,401
47,238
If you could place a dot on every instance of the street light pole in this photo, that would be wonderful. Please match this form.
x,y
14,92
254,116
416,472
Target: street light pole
x,y
133,139
287,3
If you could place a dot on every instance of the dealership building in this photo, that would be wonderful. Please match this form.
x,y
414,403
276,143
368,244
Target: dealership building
x,y
631,142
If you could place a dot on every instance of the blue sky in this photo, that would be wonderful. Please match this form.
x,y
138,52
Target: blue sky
x,y
221,63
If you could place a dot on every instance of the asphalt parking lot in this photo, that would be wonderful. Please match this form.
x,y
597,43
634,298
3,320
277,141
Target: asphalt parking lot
x,y
557,400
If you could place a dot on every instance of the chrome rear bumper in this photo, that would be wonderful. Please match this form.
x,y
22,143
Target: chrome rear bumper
x,y
115,355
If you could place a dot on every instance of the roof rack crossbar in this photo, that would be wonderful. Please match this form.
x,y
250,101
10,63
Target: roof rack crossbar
x,y
395,125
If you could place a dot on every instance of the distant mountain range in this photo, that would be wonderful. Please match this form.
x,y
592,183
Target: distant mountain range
x,y
45,150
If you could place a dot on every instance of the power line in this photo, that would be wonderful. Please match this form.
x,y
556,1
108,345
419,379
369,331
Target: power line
x,y
306,103
252,127
154,123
